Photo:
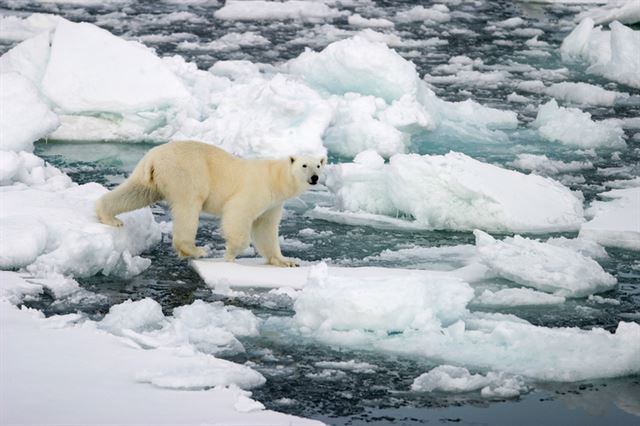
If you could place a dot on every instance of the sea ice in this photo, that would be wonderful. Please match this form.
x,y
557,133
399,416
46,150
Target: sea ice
x,y
454,191
430,319
65,237
541,164
517,297
615,222
78,357
257,10
81,75
23,169
437,13
611,54
571,126
448,378
357,65
549,268
25,117
584,94
17,29
623,11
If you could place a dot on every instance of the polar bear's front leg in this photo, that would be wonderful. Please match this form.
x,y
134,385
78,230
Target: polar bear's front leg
x,y
235,229
264,232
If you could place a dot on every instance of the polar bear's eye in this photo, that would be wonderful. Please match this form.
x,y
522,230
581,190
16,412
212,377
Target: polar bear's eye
x,y
304,165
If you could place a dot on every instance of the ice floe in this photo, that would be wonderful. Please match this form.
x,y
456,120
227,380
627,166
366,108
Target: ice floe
x,y
57,232
549,268
571,126
517,297
612,54
448,378
616,220
623,11
257,10
453,191
115,364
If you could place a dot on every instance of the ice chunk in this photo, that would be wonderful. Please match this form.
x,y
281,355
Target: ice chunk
x,y
448,378
454,191
75,242
545,267
584,94
17,29
438,13
145,314
14,288
623,11
25,169
358,65
82,75
25,117
351,365
611,54
228,42
615,223
379,304
358,21
271,117
517,297
571,126
541,164
256,10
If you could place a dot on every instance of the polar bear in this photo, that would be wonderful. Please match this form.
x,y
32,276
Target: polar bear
x,y
192,177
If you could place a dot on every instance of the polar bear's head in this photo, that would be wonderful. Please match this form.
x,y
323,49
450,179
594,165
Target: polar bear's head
x,y
307,169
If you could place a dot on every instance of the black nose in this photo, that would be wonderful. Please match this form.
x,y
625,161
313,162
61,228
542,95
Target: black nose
x,y
314,179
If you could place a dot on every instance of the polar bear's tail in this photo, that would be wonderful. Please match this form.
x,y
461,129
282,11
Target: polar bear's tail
x,y
136,192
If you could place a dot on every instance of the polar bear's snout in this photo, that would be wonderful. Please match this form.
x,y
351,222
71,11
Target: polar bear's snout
x,y
313,179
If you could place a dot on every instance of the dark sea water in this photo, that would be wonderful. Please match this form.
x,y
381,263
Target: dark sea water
x,y
381,398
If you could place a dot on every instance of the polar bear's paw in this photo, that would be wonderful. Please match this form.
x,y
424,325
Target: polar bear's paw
x,y
185,250
111,221
282,262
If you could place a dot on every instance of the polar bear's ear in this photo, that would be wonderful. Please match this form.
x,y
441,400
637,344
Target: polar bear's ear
x,y
292,160
322,160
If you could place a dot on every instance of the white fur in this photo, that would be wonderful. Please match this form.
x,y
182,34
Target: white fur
x,y
247,194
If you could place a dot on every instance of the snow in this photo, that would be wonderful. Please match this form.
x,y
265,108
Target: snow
x,y
256,10
25,117
67,238
611,54
615,222
19,170
553,269
448,378
454,191
81,76
91,377
571,126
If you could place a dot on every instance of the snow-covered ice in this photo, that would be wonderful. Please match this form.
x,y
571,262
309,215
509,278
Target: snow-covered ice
x,y
270,10
571,126
612,54
448,378
454,191
89,376
616,220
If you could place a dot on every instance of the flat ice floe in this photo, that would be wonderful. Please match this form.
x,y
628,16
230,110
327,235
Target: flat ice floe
x,y
453,191
256,10
616,220
112,366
